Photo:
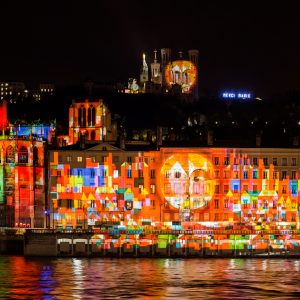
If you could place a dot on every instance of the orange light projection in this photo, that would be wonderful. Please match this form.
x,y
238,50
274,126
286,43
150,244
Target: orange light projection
x,y
181,72
186,181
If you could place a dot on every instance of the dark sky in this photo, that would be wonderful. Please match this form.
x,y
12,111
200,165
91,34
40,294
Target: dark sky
x,y
242,45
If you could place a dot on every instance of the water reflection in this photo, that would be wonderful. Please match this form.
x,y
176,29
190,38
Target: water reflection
x,y
22,278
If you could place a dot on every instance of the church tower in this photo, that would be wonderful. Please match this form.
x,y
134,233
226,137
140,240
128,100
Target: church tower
x,y
144,76
165,59
156,77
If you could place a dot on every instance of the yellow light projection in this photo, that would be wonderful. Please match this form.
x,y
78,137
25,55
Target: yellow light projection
x,y
186,181
181,72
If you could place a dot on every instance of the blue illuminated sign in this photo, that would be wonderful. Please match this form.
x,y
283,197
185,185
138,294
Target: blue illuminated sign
x,y
236,95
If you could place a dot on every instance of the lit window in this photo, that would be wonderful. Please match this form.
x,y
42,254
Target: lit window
x,y
152,188
79,158
116,174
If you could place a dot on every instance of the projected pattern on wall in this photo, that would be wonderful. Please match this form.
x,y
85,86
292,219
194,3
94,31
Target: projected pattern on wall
x,y
219,187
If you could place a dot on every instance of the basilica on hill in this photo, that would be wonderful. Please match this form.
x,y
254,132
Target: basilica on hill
x,y
177,76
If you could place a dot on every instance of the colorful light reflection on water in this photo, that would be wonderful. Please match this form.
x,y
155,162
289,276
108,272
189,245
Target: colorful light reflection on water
x,y
68,278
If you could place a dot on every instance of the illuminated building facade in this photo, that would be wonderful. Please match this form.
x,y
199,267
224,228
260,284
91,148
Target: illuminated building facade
x,y
22,175
90,120
22,182
216,187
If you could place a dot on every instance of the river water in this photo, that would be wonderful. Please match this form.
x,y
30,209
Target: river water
x,y
105,278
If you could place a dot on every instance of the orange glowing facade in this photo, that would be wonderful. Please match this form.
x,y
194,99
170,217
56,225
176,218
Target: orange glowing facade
x,y
91,120
210,186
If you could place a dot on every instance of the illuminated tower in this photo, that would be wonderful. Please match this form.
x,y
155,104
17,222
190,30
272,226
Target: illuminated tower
x,y
193,57
144,76
155,70
165,59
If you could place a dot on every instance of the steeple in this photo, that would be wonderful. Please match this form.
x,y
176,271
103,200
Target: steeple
x,y
145,66
155,58
155,70
144,76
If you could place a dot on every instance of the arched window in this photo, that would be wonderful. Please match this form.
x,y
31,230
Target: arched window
x,y
10,154
35,156
91,116
23,155
82,116
93,135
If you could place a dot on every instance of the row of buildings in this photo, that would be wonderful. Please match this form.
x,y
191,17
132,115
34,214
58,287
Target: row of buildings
x,y
95,178
11,91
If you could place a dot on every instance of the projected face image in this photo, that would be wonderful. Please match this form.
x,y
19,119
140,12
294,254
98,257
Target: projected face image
x,y
186,181
181,72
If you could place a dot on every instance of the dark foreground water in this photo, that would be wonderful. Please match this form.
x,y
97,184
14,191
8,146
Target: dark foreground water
x,y
23,278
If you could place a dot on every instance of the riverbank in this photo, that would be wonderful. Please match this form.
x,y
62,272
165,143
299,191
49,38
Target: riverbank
x,y
109,243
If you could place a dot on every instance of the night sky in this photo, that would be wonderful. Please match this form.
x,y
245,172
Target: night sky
x,y
241,46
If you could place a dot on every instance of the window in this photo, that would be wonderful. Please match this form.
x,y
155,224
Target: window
x,y
216,217
69,203
167,174
129,159
177,174
116,174
235,188
283,174
79,172
226,188
217,189
275,161
141,187
23,155
129,173
254,203
293,175
275,175
254,161
284,161
82,116
226,160
284,189
245,188
226,203
10,154
93,203
294,189
79,158
116,187
255,174
294,161
217,174
265,160
266,174
91,116
245,174
69,158
216,160
92,173
254,188
140,174
152,173
226,174
152,188
216,203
